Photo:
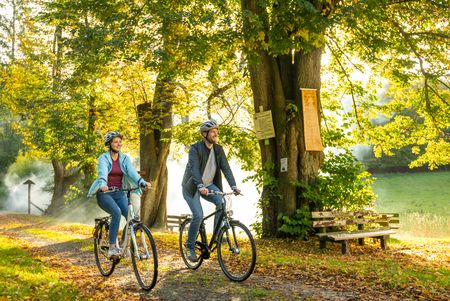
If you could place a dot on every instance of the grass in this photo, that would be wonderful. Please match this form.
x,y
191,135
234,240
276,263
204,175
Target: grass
x,y
86,245
22,277
410,269
422,199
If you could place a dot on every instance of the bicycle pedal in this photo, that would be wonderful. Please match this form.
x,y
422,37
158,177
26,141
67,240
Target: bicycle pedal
x,y
115,259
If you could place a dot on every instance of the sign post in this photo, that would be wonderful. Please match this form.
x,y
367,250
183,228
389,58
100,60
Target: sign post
x,y
29,183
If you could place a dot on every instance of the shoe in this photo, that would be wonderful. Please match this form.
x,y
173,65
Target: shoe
x,y
114,251
190,254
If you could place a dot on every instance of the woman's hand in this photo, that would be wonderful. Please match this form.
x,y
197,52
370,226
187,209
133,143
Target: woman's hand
x,y
104,188
145,185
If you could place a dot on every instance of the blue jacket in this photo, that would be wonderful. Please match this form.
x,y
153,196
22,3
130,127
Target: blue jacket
x,y
130,177
198,157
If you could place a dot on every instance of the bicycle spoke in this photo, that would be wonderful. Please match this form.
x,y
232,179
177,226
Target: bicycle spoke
x,y
101,247
144,257
184,228
237,252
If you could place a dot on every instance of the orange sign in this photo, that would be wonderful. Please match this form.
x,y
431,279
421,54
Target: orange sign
x,y
311,124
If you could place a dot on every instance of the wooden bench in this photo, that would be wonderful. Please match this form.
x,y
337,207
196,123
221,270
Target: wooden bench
x,y
340,227
174,221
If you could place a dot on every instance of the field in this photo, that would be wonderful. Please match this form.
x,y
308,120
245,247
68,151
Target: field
x,y
422,199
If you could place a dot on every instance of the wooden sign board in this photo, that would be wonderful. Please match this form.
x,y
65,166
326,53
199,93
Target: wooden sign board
x,y
264,125
311,124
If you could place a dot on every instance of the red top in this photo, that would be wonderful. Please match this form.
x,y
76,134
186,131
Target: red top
x,y
115,175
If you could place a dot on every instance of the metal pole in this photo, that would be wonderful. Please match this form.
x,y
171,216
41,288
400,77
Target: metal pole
x,y
29,198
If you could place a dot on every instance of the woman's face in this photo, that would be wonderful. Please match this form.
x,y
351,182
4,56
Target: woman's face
x,y
116,144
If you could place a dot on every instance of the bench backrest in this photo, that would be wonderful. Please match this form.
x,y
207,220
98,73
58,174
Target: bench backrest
x,y
174,221
324,219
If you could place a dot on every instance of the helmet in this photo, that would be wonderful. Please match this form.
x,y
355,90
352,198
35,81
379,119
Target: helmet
x,y
110,135
208,125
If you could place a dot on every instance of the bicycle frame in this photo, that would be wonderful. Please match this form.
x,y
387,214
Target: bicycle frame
x,y
212,245
131,220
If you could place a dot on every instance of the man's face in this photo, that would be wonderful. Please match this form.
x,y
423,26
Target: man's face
x,y
116,144
213,135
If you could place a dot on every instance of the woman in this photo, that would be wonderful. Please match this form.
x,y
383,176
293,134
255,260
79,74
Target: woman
x,y
115,171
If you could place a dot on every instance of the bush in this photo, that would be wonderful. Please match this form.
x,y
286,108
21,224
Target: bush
x,y
298,225
341,185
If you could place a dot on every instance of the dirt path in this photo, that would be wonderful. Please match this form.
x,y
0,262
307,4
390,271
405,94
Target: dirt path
x,y
175,281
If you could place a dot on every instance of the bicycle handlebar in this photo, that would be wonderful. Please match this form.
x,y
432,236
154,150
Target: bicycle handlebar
x,y
114,189
216,192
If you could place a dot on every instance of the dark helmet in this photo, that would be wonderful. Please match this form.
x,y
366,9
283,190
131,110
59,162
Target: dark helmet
x,y
208,125
110,135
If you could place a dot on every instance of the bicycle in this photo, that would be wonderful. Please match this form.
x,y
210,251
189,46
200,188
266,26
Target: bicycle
x,y
142,248
235,245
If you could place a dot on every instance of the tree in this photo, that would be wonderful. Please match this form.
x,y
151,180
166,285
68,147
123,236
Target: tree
x,y
284,42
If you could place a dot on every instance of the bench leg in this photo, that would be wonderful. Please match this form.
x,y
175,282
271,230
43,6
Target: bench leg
x,y
323,244
361,241
383,241
344,247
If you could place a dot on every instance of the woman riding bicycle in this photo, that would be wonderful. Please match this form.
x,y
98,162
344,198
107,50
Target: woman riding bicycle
x,y
115,171
203,173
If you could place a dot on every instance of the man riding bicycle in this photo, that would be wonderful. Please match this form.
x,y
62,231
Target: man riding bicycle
x,y
203,173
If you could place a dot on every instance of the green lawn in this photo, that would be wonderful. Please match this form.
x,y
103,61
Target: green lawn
x,y
422,199
23,277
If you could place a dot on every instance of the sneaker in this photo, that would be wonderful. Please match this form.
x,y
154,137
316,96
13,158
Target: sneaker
x,y
114,251
190,254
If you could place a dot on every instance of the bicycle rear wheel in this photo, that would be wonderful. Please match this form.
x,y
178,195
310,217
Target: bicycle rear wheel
x,y
184,228
144,258
101,246
236,251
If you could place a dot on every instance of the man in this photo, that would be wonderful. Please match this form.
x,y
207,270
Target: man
x,y
207,161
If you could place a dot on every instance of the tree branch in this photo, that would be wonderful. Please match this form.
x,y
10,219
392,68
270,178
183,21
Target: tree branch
x,y
351,87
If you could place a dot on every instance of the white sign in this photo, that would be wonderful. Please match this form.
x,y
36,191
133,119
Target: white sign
x,y
264,125
283,164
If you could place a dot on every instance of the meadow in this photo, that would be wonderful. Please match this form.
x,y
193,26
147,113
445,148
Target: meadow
x,y
422,199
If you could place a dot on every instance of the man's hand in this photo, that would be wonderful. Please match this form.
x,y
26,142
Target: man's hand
x,y
237,191
203,190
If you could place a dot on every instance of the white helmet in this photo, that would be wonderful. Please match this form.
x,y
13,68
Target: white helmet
x,y
110,135
208,125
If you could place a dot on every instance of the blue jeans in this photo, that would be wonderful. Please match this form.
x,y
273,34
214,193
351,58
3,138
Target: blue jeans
x,y
197,212
115,203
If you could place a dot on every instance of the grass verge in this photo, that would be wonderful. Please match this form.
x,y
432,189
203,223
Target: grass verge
x,y
22,277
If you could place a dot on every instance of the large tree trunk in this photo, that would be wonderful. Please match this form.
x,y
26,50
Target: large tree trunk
x,y
63,179
155,121
276,83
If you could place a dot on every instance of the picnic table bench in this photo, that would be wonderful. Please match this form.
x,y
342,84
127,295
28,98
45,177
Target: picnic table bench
x,y
174,221
341,227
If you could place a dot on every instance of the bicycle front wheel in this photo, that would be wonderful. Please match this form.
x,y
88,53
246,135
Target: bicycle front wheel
x,y
184,228
101,246
144,258
236,251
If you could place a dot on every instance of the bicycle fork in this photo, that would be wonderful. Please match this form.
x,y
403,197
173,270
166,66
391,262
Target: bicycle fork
x,y
134,242
234,247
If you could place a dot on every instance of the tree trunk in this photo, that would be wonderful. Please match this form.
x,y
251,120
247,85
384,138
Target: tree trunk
x,y
276,83
89,166
63,179
155,121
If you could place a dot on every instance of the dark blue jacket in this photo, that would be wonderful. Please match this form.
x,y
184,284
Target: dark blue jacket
x,y
198,157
